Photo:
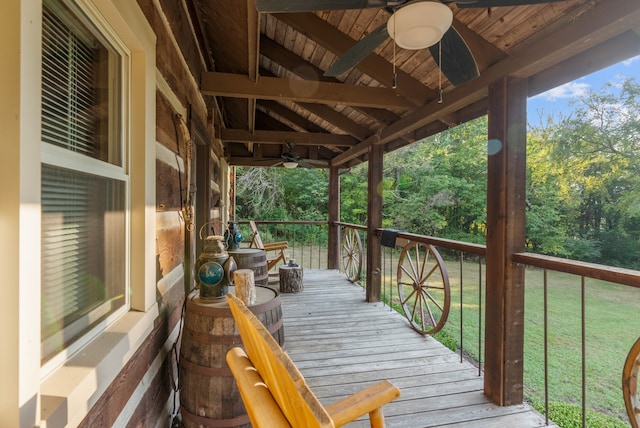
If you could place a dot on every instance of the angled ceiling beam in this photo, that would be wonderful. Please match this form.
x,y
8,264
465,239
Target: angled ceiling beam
x,y
579,32
306,70
613,51
290,115
273,88
282,137
253,56
337,119
375,66
332,116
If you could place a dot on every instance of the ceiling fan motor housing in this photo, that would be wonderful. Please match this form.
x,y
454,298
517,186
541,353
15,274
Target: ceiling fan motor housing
x,y
419,25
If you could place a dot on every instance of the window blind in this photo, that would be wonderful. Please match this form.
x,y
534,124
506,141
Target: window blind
x,y
83,226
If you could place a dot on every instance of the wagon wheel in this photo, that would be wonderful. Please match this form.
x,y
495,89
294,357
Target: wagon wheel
x,y
423,287
351,254
630,384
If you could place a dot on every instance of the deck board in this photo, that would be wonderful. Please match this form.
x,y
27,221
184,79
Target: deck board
x,y
341,344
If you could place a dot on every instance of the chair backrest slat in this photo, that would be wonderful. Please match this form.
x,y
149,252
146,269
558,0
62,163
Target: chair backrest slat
x,y
279,373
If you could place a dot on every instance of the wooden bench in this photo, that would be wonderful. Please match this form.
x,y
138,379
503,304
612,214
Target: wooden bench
x,y
276,394
276,251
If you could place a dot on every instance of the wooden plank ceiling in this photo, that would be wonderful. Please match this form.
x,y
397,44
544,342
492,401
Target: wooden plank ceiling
x,y
267,72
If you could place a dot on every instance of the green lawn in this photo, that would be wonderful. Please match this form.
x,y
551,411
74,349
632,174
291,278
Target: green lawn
x,y
611,329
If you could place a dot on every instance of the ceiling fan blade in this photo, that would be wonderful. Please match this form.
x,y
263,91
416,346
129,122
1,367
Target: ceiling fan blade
x,y
500,3
285,6
358,52
458,63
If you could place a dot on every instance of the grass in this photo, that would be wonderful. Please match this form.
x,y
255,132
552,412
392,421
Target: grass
x,y
611,313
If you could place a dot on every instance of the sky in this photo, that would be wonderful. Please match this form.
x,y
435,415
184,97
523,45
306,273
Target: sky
x,y
556,101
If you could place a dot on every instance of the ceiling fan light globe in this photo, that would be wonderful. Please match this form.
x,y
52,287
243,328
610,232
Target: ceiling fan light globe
x,y
290,164
419,25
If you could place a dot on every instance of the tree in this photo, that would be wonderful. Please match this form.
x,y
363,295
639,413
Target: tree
x,y
596,164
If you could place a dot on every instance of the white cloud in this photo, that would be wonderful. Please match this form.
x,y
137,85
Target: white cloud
x,y
566,91
630,61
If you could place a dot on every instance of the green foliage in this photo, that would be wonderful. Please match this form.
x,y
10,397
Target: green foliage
x,y
438,186
584,177
281,194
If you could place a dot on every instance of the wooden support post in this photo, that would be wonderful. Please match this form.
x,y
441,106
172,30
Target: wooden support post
x,y
506,191
333,258
374,221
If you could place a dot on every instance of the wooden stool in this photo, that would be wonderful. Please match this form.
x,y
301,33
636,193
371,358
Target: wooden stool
x,y
291,279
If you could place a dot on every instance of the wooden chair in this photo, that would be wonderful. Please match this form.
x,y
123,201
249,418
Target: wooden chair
x,y
276,394
630,384
276,251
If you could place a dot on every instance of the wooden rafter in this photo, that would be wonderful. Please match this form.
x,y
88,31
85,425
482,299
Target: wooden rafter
x,y
281,137
375,66
272,88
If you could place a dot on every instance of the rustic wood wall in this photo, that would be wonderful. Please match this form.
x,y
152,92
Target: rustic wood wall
x,y
179,65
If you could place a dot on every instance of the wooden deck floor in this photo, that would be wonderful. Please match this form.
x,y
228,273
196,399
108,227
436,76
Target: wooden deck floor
x,y
340,343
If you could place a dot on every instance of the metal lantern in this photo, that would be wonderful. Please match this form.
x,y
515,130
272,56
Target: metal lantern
x,y
214,268
233,237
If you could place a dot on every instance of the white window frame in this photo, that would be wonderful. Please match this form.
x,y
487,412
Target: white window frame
x,y
65,390
67,393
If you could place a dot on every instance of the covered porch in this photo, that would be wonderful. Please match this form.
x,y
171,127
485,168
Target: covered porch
x,y
340,344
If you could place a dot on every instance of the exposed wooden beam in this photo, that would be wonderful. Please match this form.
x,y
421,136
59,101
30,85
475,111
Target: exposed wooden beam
x,y
375,66
281,137
624,46
253,56
579,32
337,119
273,88
302,68
334,117
290,115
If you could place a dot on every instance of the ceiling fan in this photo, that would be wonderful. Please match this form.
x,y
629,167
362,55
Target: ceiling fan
x,y
291,159
412,25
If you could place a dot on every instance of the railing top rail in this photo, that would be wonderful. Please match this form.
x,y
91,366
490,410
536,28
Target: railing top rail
x,y
466,247
590,270
351,225
282,222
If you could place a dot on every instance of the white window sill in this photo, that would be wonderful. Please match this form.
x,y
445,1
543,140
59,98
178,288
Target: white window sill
x,y
71,390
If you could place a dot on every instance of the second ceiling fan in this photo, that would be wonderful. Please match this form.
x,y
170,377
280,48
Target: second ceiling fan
x,y
412,25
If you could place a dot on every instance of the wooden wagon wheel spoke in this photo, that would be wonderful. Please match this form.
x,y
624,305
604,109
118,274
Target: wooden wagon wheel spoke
x,y
630,384
351,255
423,287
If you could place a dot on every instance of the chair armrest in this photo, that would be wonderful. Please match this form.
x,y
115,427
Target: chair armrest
x,y
362,402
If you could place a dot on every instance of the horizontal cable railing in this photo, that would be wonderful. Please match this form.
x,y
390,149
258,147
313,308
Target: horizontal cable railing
x,y
307,240
566,301
559,301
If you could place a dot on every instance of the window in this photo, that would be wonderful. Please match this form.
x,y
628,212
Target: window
x,y
85,184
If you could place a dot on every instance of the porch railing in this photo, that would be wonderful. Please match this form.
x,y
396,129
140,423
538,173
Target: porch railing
x,y
466,322
307,240
547,280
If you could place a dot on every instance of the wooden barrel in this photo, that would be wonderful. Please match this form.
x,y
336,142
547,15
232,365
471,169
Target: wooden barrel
x,y
208,393
254,259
